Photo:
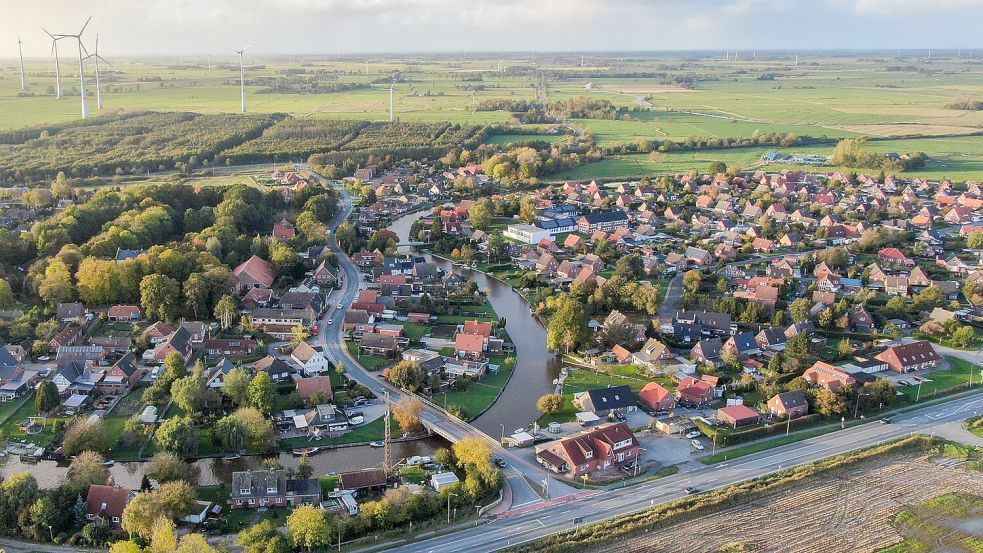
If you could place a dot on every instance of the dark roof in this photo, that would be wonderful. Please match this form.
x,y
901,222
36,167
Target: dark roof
x,y
306,487
615,397
605,217
272,364
745,341
794,398
550,224
6,360
365,478
257,481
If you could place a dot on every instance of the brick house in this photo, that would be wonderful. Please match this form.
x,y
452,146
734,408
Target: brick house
x,y
913,356
123,313
107,503
791,404
253,273
655,397
737,416
586,452
692,391
255,489
121,377
829,377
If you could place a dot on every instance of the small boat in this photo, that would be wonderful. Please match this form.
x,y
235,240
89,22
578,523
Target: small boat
x,y
108,463
305,451
377,444
231,456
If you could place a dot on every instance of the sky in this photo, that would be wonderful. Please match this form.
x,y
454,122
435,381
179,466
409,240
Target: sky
x,y
275,27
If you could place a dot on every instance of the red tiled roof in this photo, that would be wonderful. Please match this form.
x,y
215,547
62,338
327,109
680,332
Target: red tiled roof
x,y
258,269
307,386
471,343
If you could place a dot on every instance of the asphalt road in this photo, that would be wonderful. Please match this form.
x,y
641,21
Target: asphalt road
x,y
331,337
939,419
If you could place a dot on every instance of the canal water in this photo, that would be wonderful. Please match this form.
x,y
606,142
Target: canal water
x,y
50,474
536,368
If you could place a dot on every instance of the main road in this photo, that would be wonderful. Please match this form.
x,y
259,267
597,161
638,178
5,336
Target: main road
x,y
331,337
550,518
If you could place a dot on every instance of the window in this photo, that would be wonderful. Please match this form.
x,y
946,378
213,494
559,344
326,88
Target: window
x,y
116,519
588,454
244,491
252,501
271,489
238,502
279,500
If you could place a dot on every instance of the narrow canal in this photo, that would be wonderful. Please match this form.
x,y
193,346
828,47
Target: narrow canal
x,y
536,368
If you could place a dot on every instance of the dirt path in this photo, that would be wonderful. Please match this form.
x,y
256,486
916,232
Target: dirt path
x,y
848,511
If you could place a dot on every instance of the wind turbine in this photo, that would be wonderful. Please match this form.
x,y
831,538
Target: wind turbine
x,y
95,56
242,78
54,50
20,51
78,38
391,102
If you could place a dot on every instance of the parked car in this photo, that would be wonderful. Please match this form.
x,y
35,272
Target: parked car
x,y
43,373
696,444
693,434
500,463
628,467
904,383
44,358
917,378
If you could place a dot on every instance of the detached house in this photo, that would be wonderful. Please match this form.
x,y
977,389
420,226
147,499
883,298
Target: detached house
x,y
253,273
121,377
602,401
829,377
695,392
310,359
913,356
655,397
586,452
107,503
791,404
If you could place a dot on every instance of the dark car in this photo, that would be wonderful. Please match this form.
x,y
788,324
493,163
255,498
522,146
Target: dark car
x,y
690,490
885,421
500,463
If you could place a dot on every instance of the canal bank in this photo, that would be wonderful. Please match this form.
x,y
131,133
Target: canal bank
x,y
535,369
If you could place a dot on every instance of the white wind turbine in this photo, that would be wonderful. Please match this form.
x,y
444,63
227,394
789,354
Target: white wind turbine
x,y
392,103
242,78
97,58
78,38
54,50
20,52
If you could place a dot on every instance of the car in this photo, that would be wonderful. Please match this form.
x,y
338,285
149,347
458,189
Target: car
x,y
693,434
500,463
628,467
43,373
886,420
690,490
155,373
904,383
341,306
330,322
618,415
917,379
44,358
696,445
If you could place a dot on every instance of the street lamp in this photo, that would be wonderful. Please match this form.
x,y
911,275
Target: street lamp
x,y
637,459
918,394
584,476
449,494
856,409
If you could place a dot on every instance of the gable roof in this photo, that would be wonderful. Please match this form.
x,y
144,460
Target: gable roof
x,y
308,386
615,397
258,269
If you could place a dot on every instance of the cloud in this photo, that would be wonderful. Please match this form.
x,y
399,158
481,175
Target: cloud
x,y
908,7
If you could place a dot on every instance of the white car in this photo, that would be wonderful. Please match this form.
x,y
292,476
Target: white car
x,y
696,444
341,306
330,322
693,434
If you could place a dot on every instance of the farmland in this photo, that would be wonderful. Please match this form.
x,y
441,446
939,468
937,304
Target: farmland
x,y
883,98
853,509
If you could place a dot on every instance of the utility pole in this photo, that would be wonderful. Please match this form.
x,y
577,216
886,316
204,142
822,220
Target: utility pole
x,y
387,462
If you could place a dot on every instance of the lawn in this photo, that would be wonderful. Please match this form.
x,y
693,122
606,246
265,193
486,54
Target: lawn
x,y
370,362
7,408
481,394
415,331
370,432
11,428
581,380
946,381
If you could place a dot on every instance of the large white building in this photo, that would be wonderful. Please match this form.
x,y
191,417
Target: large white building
x,y
527,234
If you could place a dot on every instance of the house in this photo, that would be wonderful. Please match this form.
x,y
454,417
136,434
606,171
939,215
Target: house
x,y
708,351
790,404
652,352
121,377
123,313
310,359
913,356
363,481
158,332
229,347
277,369
284,230
654,397
254,489
586,452
829,377
602,401
178,342
470,346
621,354
860,319
692,391
325,274
106,503
894,257
378,344
255,272
69,336
737,416
605,221
70,312
740,345
306,387
15,382
526,234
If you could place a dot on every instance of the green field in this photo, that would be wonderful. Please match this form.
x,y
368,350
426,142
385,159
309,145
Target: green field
x,y
827,96
481,394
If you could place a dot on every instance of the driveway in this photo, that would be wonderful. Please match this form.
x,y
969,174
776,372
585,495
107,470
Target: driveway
x,y
674,292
